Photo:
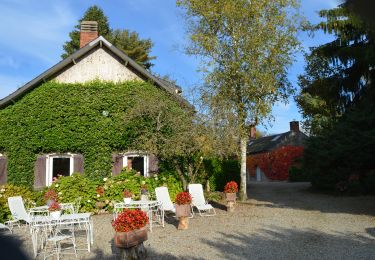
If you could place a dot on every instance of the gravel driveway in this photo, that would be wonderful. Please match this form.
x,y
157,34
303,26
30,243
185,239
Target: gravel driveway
x,y
279,221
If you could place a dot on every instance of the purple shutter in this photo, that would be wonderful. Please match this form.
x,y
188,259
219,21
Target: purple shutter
x,y
117,163
153,164
40,172
3,170
78,163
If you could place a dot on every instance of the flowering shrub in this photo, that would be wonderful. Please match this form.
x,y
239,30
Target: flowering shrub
x,y
100,190
127,194
276,164
183,198
231,187
130,219
51,194
55,206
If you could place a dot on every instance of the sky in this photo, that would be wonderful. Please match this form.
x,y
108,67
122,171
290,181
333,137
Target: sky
x,y
33,33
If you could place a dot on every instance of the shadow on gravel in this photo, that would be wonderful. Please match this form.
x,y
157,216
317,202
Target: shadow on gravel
x,y
151,255
292,244
300,196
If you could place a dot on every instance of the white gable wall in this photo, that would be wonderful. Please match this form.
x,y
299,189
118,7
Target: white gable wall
x,y
97,65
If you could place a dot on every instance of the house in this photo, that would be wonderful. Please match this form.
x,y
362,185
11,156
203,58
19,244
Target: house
x,y
97,59
270,157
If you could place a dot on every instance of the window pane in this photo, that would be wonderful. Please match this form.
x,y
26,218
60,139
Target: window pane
x,y
61,166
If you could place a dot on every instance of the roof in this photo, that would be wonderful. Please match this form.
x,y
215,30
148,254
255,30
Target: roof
x,y
269,143
101,42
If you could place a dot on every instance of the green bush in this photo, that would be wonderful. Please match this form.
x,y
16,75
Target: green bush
x,y
30,198
221,171
76,187
296,174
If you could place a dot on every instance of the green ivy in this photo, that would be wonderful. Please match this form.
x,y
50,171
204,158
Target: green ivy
x,y
78,118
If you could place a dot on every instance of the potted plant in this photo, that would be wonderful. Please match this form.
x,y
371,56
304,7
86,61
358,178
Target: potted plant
x,y
127,196
183,209
99,194
50,196
144,192
55,210
130,228
230,190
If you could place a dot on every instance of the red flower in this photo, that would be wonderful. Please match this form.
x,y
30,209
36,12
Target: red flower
x,y
231,187
130,219
100,190
183,198
54,206
127,194
51,195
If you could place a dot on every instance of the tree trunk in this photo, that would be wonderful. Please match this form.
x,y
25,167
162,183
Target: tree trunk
x,y
134,253
181,175
243,194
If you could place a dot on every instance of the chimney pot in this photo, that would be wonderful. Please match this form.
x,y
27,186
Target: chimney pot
x,y
253,132
89,32
294,126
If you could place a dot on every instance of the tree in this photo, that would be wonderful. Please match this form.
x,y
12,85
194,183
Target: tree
x,y
338,74
164,128
93,13
129,42
247,47
136,48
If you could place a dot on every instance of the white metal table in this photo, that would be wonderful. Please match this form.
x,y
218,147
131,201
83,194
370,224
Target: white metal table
x,y
41,223
151,207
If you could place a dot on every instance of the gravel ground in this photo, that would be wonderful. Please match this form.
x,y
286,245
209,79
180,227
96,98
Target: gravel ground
x,y
279,221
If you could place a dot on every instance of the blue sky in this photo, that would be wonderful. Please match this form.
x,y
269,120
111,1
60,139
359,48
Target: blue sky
x,y
33,33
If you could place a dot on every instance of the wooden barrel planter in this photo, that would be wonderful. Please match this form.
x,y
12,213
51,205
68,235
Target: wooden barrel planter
x,y
183,213
231,200
131,243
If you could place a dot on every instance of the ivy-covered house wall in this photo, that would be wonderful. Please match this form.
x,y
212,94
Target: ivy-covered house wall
x,y
86,120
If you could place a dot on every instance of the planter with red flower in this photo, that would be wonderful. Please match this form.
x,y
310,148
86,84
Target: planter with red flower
x,y
50,196
99,194
127,196
183,209
54,210
131,232
230,190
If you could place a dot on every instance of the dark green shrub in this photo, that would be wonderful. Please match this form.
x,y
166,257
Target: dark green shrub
x,y
221,171
296,174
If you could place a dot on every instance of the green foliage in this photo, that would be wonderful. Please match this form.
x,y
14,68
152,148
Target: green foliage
x,y
343,151
93,13
30,198
246,48
129,42
221,171
76,187
296,174
338,74
61,118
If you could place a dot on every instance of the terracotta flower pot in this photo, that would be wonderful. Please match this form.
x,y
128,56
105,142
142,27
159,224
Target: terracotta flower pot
x,y
230,196
131,238
183,210
100,204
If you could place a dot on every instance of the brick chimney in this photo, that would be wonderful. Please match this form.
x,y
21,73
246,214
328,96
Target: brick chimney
x,y
253,133
294,126
89,32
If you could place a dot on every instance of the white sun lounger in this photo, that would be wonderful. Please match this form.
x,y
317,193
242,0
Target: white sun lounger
x,y
204,209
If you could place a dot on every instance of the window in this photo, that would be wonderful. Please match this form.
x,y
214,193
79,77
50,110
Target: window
x,y
137,162
58,165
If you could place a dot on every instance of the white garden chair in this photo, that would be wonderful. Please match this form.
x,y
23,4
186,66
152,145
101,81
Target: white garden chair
x,y
18,210
162,195
204,209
